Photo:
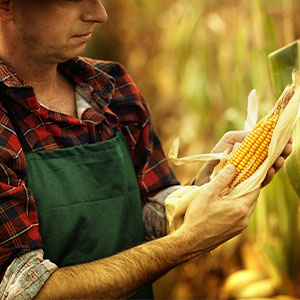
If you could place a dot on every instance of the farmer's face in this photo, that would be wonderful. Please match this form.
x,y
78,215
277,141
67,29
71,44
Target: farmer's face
x,y
55,29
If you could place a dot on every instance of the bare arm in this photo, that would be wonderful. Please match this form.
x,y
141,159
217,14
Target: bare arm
x,y
209,221
118,276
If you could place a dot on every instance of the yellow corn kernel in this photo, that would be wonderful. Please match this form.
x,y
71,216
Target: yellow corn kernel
x,y
253,150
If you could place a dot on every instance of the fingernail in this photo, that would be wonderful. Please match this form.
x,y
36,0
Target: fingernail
x,y
230,168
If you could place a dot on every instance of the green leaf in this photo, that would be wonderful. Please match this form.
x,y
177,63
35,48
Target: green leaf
x,y
282,62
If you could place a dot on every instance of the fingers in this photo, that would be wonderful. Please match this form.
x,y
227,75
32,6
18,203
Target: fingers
x,y
279,163
285,153
223,179
236,136
288,149
228,140
269,177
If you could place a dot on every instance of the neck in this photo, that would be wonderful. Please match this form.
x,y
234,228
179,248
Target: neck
x,y
41,72
35,73
47,82
50,87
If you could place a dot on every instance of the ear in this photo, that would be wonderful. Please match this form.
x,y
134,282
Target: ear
x,y
5,11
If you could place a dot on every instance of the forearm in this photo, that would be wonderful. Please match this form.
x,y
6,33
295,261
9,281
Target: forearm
x,y
118,276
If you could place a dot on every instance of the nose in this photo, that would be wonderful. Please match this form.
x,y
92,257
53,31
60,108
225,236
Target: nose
x,y
94,12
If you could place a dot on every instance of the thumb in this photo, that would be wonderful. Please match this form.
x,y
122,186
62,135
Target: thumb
x,y
223,179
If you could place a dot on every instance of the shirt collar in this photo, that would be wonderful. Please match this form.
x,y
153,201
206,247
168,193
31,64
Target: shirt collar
x,y
83,71
80,70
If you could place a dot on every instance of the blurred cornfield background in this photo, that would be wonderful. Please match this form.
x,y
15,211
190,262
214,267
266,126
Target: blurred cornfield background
x,y
195,62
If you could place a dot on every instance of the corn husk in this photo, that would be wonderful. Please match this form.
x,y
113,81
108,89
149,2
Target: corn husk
x,y
177,202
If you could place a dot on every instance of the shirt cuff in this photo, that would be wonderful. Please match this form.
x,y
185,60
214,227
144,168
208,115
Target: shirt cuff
x,y
25,276
154,214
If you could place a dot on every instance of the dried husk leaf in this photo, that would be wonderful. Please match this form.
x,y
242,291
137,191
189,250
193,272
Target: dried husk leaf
x,y
252,111
177,204
173,155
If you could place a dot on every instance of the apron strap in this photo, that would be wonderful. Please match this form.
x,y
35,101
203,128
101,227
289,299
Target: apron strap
x,y
7,104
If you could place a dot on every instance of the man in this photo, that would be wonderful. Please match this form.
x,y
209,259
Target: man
x,y
77,151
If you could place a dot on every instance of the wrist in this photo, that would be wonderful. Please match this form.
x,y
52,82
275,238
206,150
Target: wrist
x,y
185,242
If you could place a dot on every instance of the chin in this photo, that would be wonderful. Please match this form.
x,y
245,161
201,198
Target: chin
x,y
71,54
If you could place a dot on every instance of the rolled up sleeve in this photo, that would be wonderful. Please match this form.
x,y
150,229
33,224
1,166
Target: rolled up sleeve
x,y
25,276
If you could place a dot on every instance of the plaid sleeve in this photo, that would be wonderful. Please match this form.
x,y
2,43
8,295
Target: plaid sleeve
x,y
154,214
18,214
25,276
152,169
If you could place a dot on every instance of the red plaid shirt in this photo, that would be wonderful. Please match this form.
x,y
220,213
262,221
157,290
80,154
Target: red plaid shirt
x,y
116,103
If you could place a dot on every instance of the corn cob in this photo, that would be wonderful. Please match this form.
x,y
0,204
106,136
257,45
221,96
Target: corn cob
x,y
254,149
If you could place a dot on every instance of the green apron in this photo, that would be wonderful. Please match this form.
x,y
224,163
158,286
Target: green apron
x,y
88,201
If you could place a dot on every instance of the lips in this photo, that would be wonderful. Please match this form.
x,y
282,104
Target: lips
x,y
84,37
83,34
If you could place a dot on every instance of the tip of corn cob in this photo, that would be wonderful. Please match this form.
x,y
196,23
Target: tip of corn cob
x,y
287,94
296,77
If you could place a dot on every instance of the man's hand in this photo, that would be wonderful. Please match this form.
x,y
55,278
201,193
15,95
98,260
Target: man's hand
x,y
228,140
211,220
